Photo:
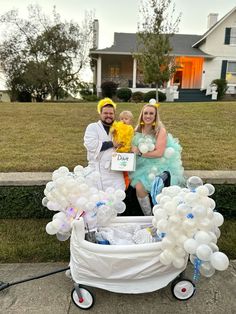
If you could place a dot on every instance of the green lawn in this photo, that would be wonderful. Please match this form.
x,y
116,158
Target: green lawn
x,y
44,136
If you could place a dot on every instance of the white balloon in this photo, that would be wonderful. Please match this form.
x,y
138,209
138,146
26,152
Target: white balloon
x,y
56,174
151,176
170,207
179,262
164,199
164,259
214,247
63,236
199,211
120,195
182,210
50,185
192,258
190,246
63,170
53,206
151,147
90,206
211,188
217,232
119,206
202,190
81,201
152,101
203,237
162,225
207,270
205,224
218,219
50,229
44,202
169,152
166,243
110,190
219,261
160,213
204,252
194,182
143,148
78,169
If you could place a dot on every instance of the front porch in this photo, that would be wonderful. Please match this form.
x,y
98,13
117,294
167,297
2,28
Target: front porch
x,y
124,70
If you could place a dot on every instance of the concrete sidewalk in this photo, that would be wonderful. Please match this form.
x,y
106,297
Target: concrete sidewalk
x,y
52,294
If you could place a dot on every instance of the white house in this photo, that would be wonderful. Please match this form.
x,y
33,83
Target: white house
x,y
201,58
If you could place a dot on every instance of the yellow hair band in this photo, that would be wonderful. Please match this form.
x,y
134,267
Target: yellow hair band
x,y
103,102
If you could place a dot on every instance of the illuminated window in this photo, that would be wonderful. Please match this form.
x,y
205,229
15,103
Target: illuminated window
x,y
114,71
231,72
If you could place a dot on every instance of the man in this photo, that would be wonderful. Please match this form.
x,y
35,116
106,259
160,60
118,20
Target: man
x,y
99,145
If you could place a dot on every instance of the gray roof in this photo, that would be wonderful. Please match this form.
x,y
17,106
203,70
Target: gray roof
x,y
126,44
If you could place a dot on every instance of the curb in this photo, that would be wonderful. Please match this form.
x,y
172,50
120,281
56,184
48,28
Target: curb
x,y
41,178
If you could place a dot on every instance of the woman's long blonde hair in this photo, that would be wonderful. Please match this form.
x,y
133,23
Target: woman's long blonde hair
x,y
157,124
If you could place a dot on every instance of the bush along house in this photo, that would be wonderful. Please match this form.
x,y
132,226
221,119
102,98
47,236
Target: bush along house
x,y
200,59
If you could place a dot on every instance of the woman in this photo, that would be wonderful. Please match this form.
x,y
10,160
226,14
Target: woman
x,y
156,152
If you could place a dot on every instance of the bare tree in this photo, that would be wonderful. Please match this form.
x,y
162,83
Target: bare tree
x,y
158,23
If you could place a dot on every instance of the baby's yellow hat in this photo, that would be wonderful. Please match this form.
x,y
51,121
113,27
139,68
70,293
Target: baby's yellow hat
x,y
103,102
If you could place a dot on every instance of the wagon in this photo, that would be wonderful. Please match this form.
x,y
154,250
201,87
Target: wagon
x,y
131,268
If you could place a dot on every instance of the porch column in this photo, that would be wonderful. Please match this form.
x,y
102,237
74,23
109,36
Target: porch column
x,y
99,75
134,72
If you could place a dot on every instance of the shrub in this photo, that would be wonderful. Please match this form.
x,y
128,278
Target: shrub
x,y
85,90
124,94
109,89
137,97
90,98
221,87
152,94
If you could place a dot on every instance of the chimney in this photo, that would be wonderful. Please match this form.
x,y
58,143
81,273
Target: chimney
x,y
212,19
95,34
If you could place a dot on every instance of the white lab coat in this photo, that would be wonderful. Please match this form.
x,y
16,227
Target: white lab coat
x,y
95,135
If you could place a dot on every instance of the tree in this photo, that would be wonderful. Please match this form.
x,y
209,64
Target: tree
x,y
42,55
153,41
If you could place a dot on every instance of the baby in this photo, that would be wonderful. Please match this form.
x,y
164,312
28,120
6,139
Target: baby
x,y
126,117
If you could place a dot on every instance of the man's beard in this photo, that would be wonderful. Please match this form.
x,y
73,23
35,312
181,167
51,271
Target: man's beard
x,y
107,124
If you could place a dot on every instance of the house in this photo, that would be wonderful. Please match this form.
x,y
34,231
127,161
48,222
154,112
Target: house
x,y
201,58
4,93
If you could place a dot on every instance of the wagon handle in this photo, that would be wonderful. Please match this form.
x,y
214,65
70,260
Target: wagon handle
x,y
4,285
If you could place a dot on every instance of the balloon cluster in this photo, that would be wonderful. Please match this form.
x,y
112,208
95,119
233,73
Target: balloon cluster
x,y
146,144
73,194
187,222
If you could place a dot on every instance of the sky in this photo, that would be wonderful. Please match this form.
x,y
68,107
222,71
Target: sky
x,y
122,15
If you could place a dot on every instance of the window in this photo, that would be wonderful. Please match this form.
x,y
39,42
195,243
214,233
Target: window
x,y
230,36
233,36
231,72
114,71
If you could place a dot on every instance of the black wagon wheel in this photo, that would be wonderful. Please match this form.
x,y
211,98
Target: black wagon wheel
x,y
183,289
86,301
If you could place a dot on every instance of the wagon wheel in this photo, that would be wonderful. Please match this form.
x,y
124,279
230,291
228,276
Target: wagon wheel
x,y
87,300
183,289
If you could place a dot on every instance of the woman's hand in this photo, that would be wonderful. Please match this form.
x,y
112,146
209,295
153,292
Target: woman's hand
x,y
135,150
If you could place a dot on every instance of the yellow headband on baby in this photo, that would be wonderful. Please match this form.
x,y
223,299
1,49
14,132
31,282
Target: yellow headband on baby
x,y
103,102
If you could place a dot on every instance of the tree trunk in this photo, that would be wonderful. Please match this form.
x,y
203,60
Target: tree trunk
x,y
157,98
